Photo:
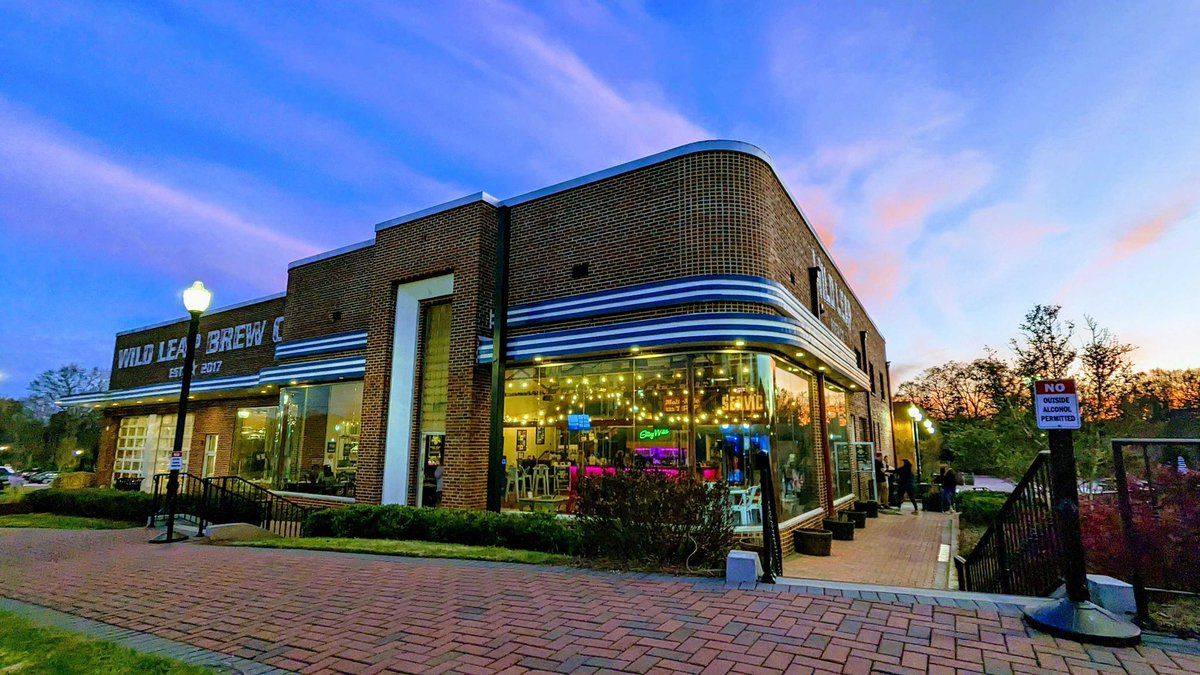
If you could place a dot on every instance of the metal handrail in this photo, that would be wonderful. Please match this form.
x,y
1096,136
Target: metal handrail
x,y
229,499
280,514
1021,551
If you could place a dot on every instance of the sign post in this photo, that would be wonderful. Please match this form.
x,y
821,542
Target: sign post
x,y
1056,406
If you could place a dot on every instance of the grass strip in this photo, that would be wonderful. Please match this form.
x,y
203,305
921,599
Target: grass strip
x,y
56,522
413,549
28,648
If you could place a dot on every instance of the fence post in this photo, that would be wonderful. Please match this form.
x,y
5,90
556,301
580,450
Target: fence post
x,y
1002,559
1132,542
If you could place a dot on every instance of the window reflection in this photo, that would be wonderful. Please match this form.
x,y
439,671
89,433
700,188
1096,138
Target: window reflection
x,y
706,415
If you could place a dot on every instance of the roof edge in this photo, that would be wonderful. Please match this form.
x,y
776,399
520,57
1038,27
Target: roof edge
x,y
226,308
331,254
433,210
657,158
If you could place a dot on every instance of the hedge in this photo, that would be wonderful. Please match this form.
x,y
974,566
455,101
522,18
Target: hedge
x,y
133,507
979,507
533,532
650,517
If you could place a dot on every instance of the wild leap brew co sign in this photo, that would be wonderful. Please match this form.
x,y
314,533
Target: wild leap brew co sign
x,y
217,341
1056,404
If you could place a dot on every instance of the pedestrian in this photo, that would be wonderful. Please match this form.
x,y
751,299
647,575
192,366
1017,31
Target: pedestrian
x,y
881,479
905,485
949,488
438,475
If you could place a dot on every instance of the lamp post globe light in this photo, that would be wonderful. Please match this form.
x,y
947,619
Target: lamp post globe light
x,y
915,413
196,299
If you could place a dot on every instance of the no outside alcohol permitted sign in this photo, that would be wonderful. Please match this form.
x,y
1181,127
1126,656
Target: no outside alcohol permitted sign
x,y
1056,404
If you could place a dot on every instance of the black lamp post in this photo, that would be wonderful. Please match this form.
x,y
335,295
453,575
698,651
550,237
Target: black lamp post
x,y
196,300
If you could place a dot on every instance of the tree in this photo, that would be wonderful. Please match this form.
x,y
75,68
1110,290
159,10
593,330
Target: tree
x,y
1044,349
1106,373
53,385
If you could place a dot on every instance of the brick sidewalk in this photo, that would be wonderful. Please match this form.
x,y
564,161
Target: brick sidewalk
x,y
328,612
893,550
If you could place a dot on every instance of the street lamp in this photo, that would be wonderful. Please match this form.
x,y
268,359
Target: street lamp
x,y
195,299
915,414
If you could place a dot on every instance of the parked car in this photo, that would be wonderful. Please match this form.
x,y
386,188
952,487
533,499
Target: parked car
x,y
6,475
44,478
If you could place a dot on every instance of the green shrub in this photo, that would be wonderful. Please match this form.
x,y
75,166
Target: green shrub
x,y
979,507
133,507
654,518
533,532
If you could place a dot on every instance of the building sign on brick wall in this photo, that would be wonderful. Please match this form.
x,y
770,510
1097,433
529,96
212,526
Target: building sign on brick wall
x,y
833,295
239,341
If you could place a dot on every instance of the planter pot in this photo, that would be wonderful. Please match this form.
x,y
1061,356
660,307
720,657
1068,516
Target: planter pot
x,y
859,518
842,530
813,542
872,509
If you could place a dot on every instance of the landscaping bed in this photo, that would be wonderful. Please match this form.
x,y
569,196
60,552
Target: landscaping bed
x,y
413,549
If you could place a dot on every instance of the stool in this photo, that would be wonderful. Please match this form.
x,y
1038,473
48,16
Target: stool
x,y
541,477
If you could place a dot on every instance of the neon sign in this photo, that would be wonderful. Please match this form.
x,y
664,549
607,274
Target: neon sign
x,y
652,434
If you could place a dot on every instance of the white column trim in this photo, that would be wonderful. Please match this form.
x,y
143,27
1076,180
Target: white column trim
x,y
398,438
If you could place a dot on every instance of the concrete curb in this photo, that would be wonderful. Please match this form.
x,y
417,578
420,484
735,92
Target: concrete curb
x,y
144,643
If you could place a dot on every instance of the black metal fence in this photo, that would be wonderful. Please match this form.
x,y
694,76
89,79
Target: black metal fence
x,y
229,499
1021,553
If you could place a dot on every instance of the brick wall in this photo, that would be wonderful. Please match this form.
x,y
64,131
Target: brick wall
x,y
243,361
217,416
329,296
461,242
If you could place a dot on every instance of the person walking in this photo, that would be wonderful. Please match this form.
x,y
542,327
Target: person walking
x,y
905,485
949,488
881,479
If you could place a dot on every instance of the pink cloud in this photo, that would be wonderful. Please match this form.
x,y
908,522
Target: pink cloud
x,y
63,193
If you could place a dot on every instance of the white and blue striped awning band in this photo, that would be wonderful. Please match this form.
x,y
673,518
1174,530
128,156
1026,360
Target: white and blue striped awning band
x,y
322,345
710,288
683,331
310,371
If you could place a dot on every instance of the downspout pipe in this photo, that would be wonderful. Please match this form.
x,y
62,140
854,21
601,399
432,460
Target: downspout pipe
x,y
495,471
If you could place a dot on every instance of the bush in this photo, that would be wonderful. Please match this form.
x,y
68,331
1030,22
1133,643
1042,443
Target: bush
x,y
76,480
979,507
533,532
654,518
133,507
1167,521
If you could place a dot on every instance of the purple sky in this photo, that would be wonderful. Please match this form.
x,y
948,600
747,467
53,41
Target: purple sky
x,y
964,161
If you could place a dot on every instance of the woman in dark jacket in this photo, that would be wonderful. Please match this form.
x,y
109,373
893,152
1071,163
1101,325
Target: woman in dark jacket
x,y
905,485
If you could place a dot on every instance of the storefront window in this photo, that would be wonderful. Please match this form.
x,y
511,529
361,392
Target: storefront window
x,y
144,445
837,420
435,397
794,441
318,439
254,432
703,414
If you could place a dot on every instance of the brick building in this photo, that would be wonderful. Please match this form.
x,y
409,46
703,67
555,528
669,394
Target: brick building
x,y
675,313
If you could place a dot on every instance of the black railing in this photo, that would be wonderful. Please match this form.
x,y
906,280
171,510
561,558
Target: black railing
x,y
1021,553
229,499
277,514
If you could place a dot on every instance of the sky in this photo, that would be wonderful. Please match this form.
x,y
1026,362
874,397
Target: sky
x,y
963,161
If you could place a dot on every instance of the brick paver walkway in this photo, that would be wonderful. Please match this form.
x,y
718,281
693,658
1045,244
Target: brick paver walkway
x,y
328,612
893,550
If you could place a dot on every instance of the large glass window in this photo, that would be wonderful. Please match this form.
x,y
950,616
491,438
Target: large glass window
x,y
166,442
131,447
706,414
144,445
435,398
253,451
318,439
794,442
837,421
